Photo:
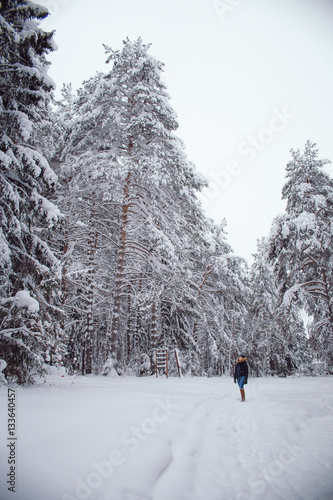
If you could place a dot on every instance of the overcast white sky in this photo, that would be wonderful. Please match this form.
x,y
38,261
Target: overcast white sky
x,y
248,79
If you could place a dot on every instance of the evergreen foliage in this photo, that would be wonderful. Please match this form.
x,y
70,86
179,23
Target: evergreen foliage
x,y
300,246
30,332
129,262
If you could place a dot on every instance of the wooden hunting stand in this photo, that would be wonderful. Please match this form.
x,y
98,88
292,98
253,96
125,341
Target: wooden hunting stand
x,y
178,364
162,360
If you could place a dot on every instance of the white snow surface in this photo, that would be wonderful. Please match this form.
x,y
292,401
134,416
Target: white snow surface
x,y
285,231
305,221
23,299
211,242
172,439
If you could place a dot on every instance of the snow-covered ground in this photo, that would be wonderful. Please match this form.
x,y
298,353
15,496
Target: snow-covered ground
x,y
176,439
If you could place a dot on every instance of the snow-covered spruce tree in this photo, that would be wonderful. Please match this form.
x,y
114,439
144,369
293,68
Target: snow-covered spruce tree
x,y
301,245
28,267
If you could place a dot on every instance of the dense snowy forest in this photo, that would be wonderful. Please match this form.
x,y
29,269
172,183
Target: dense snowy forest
x,y
105,251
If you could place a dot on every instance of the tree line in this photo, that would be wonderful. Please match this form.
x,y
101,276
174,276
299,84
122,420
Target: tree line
x,y
105,251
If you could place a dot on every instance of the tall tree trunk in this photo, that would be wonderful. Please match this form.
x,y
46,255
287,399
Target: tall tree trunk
x,y
131,315
115,337
203,281
89,326
137,327
156,338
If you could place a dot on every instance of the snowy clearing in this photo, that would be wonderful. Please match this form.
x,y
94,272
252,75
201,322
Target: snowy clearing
x,y
176,439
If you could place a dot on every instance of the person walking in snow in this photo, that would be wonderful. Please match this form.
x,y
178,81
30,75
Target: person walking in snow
x,y
241,374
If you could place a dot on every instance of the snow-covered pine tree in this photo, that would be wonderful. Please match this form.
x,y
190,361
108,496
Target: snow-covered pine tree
x,y
160,213
123,127
301,245
88,197
223,293
232,278
28,268
52,129
262,312
277,340
288,343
